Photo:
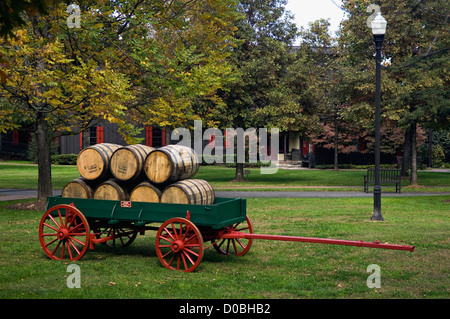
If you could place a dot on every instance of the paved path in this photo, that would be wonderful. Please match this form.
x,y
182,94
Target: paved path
x,y
15,194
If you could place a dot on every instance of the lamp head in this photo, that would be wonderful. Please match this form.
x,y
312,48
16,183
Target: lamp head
x,y
379,25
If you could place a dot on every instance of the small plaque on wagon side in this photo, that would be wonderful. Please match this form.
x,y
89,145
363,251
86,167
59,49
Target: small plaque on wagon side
x,y
126,204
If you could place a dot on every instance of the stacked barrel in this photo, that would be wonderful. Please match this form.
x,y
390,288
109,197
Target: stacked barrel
x,y
139,173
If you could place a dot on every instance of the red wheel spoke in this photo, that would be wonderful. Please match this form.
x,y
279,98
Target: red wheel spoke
x,y
73,245
220,244
54,234
57,246
240,243
228,246
51,242
190,238
169,233
243,228
69,250
62,248
182,226
77,240
167,239
172,259
51,227
56,223
76,227
185,255
174,230
190,251
60,218
183,258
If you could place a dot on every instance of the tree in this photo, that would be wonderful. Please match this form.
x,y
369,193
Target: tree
x,y
319,48
272,88
129,63
415,54
56,91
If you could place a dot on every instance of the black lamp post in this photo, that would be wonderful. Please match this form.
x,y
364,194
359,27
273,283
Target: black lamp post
x,y
378,30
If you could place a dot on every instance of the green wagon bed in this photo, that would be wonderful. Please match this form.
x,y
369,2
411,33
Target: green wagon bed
x,y
224,211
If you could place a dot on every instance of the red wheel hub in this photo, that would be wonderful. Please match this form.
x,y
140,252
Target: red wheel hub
x,y
177,246
63,234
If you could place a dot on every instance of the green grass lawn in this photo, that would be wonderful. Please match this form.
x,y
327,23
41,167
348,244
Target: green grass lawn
x,y
271,269
25,176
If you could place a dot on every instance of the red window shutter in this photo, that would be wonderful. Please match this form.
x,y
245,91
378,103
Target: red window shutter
x,y
163,137
81,141
227,143
99,134
212,141
148,136
15,137
305,147
362,145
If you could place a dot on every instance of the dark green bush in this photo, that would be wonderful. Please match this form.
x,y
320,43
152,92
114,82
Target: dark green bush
x,y
64,159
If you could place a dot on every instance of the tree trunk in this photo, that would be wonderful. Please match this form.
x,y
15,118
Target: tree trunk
x,y
336,140
414,179
44,163
239,172
430,148
406,152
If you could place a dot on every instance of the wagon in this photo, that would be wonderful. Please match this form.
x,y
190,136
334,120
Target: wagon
x,y
71,226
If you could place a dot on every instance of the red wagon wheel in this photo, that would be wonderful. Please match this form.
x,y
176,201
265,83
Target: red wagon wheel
x,y
235,246
64,233
179,245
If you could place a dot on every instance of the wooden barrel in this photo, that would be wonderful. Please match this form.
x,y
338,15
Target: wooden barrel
x,y
93,161
171,163
111,190
79,188
189,191
145,192
127,162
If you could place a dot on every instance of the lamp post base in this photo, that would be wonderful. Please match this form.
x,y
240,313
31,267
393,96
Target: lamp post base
x,y
377,202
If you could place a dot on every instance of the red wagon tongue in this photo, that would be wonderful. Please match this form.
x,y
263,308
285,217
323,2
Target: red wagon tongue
x,y
374,244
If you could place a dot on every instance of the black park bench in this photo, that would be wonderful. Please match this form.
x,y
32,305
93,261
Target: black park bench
x,y
387,176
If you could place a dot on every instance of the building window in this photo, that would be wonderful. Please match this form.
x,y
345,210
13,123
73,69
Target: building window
x,y
92,135
155,136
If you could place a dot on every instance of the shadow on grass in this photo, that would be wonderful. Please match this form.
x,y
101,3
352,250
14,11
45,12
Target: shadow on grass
x,y
145,247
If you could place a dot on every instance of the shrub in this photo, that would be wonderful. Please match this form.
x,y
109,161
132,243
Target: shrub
x,y
437,155
65,159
